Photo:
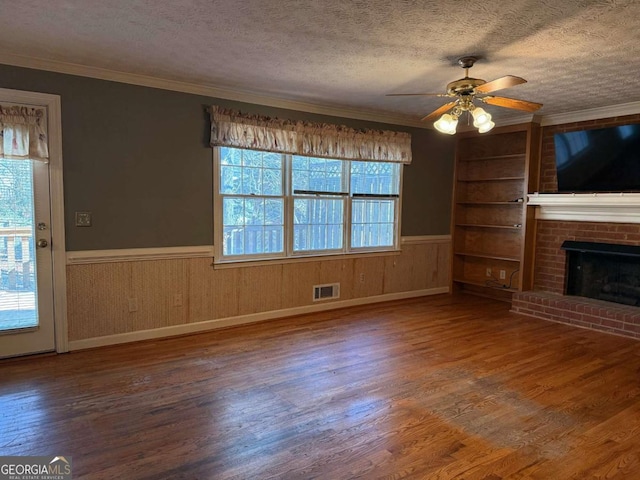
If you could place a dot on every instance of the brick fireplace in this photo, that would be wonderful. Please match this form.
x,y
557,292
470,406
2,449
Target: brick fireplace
x,y
550,259
547,299
603,271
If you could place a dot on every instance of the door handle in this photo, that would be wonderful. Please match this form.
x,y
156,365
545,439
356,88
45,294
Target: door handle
x,y
42,243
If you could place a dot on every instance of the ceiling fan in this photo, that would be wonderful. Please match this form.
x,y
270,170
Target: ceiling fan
x,y
465,91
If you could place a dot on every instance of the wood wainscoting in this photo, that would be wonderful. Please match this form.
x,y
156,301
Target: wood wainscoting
x,y
442,387
114,299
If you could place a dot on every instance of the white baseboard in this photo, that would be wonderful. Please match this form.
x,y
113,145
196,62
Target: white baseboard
x,y
243,319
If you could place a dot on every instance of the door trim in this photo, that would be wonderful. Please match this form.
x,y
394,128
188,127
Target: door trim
x,y
58,252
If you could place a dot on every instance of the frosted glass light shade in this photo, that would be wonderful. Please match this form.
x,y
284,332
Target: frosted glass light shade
x,y
480,117
485,127
446,124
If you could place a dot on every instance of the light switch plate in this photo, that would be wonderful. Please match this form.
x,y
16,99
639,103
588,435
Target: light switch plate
x,y
83,219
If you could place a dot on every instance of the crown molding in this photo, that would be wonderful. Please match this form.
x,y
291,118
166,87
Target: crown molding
x,y
269,101
206,90
598,113
519,120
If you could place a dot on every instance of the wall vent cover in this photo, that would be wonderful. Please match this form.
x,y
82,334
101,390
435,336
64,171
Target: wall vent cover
x,y
326,292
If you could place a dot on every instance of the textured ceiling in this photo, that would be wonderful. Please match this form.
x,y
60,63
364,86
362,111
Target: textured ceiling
x,y
575,54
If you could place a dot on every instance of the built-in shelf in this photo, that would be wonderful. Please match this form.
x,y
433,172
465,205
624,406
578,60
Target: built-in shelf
x,y
466,281
490,220
488,255
489,203
504,227
587,207
493,157
490,179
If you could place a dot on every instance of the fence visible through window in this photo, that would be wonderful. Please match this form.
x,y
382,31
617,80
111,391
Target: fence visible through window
x,y
17,256
275,205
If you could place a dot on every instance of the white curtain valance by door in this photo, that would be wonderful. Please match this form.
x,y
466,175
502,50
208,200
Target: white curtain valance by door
x,y
231,128
23,132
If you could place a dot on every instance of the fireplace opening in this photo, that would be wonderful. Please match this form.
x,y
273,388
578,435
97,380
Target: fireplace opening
x,y
603,271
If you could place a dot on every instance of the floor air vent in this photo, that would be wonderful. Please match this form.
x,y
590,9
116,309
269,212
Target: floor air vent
x,y
326,292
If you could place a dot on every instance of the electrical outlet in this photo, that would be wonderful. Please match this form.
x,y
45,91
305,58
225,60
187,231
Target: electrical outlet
x,y
503,274
362,278
177,300
133,304
488,272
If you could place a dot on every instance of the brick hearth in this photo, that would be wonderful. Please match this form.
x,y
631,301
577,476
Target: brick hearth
x,y
579,311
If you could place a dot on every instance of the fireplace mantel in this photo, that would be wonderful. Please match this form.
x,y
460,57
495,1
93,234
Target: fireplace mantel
x,y
587,207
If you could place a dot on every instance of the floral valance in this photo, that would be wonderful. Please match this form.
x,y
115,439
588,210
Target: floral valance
x,y
23,133
233,129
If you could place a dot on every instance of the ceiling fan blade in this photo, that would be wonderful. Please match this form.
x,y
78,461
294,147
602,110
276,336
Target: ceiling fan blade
x,y
438,111
416,94
512,103
500,83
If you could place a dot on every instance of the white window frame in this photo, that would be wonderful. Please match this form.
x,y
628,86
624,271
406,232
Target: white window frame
x,y
289,197
328,196
218,228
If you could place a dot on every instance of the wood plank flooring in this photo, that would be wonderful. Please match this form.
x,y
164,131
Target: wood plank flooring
x,y
435,388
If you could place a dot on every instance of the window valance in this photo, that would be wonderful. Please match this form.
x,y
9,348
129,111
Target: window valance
x,y
23,132
231,128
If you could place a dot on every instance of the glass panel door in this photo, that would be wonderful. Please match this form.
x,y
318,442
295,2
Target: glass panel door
x,y
26,293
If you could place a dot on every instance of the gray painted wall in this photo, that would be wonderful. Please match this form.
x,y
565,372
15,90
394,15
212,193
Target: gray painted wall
x,y
138,158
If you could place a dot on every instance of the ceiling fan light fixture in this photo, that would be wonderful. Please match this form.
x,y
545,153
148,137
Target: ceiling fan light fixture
x,y
485,127
446,124
467,90
480,117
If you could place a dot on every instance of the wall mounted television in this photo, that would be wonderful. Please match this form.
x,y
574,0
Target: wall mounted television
x,y
599,160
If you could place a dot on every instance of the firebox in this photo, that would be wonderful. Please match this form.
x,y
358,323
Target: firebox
x,y
603,271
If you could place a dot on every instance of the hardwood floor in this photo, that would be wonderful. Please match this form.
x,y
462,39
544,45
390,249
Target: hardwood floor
x,y
436,388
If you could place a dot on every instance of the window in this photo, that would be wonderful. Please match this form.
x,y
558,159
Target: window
x,y
319,193
270,205
252,193
374,186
